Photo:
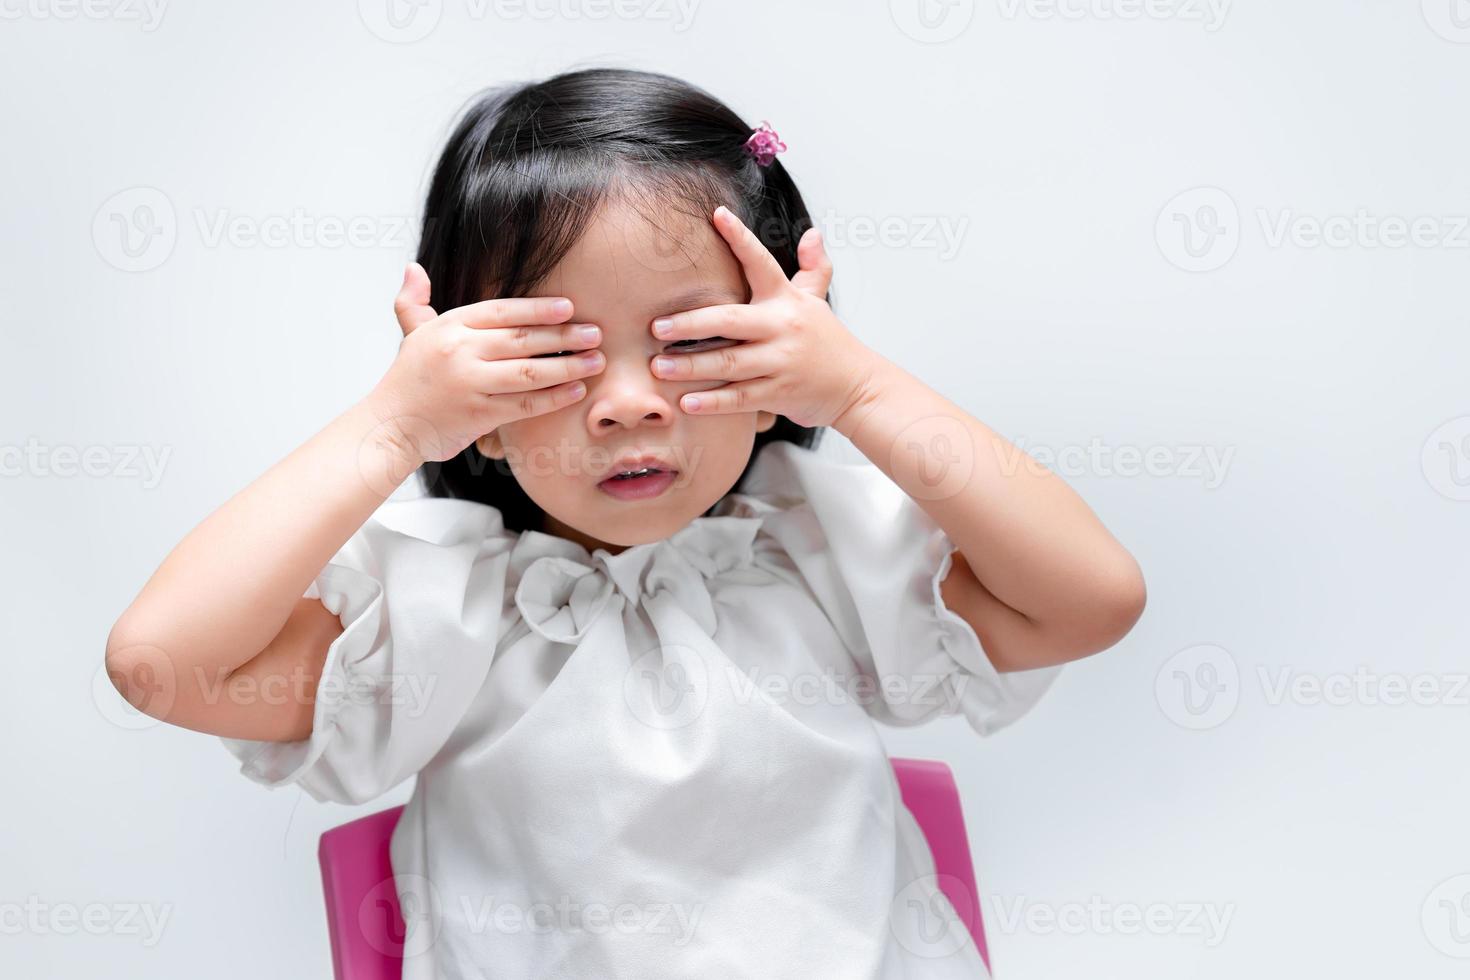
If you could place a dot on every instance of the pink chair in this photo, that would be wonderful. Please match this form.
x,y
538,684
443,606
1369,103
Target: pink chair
x,y
366,925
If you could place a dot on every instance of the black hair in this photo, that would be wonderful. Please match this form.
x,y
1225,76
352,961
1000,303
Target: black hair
x,y
526,168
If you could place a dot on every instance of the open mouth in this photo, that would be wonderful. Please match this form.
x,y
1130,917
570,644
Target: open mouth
x,y
638,484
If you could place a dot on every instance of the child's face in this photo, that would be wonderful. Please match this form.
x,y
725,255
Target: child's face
x,y
621,275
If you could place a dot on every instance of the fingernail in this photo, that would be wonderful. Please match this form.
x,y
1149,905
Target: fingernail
x,y
662,326
663,365
561,307
691,403
588,332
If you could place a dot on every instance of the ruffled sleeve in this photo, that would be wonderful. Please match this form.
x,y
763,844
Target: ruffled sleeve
x,y
874,560
420,590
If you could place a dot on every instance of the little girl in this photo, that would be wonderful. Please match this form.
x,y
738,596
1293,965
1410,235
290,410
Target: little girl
x,y
634,638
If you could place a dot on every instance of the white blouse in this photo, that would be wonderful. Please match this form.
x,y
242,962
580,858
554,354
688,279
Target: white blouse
x,y
661,762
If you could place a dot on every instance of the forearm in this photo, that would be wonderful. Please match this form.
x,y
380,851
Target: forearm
x,y
1030,540
225,591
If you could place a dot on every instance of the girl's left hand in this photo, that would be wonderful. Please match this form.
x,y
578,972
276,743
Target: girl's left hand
x,y
797,359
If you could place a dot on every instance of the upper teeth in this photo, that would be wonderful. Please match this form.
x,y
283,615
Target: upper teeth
x,y
635,472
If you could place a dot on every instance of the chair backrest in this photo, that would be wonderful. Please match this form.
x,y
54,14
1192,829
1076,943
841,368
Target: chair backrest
x,y
366,927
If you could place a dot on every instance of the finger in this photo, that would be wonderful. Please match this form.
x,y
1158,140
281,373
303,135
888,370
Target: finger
x,y
539,402
530,373
513,312
737,321
746,396
762,271
815,275
727,364
411,305
533,341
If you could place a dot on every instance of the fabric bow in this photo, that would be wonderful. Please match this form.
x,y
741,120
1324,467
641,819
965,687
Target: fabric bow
x,y
561,595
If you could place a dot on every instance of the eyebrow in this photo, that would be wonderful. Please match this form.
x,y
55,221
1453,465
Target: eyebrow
x,y
698,296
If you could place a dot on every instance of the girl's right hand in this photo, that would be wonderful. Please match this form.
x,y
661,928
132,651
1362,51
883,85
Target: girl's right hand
x,y
461,374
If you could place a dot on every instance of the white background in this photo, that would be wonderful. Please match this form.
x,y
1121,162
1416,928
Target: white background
x,y
1325,545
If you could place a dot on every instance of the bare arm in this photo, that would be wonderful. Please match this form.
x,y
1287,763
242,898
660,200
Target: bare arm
x,y
1038,577
231,589
1042,581
220,639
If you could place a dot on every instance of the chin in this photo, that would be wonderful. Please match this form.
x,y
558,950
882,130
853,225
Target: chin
x,y
640,527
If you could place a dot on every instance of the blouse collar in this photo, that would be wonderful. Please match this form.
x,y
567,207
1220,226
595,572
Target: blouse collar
x,y
564,588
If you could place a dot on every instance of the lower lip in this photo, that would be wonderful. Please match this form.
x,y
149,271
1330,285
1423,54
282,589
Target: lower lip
x,y
638,487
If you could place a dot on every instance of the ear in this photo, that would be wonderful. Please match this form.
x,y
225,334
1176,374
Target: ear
x,y
764,420
490,445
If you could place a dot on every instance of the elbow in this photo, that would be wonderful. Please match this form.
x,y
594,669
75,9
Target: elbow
x,y
140,671
1116,606
1120,606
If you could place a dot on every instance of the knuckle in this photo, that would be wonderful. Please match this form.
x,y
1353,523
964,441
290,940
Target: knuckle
x,y
521,337
526,403
728,361
446,345
527,373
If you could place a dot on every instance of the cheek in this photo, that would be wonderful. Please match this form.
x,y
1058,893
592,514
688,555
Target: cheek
x,y
538,430
721,446
538,450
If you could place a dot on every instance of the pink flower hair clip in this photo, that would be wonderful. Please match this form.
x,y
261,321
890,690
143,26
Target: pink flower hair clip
x,y
764,144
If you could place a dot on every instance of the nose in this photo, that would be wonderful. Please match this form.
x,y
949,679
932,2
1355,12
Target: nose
x,y
626,393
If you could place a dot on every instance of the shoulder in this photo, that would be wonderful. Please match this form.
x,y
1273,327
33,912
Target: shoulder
x,y
817,487
413,540
438,520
